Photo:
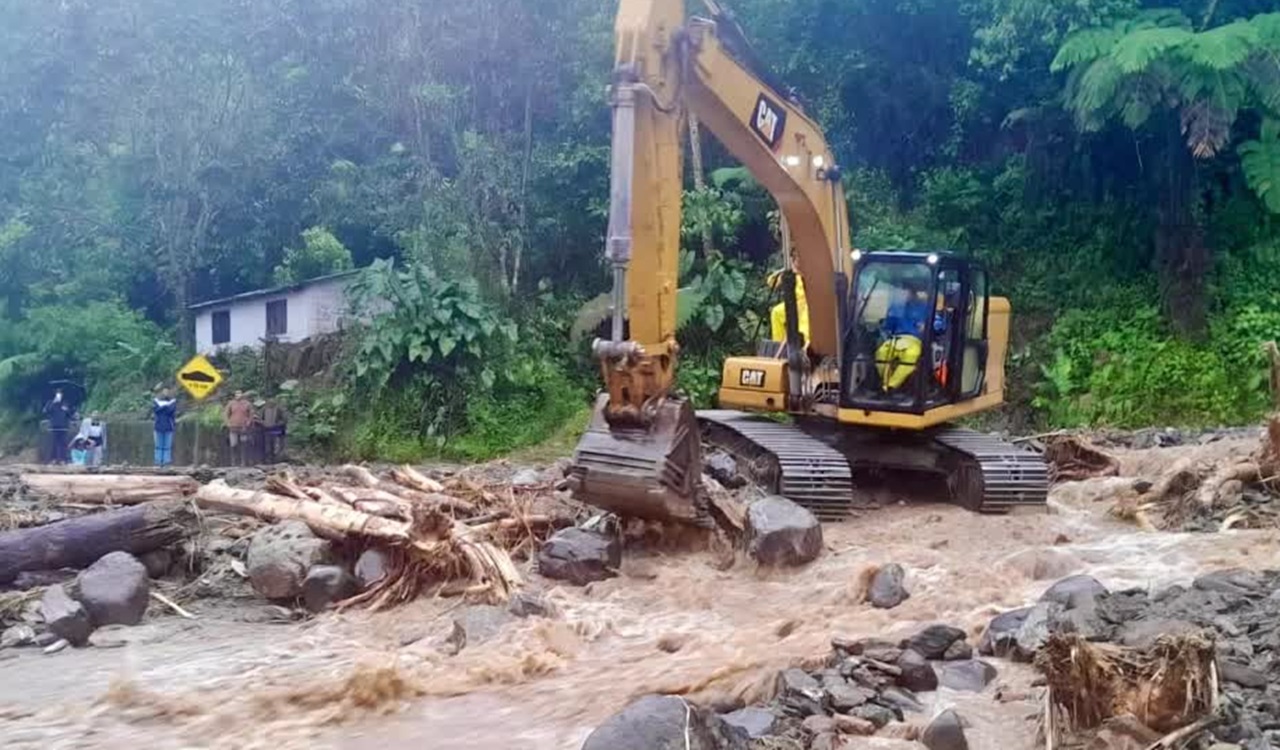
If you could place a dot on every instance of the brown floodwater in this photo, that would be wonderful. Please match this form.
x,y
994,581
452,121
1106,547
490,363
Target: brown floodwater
x,y
673,622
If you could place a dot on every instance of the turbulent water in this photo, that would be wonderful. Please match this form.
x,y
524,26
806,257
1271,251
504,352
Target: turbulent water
x,y
676,622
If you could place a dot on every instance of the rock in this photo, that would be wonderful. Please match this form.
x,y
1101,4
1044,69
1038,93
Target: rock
x,y
878,715
900,699
1074,591
1142,634
819,724
751,723
530,604
480,623
1084,620
654,722
44,639
800,693
1241,675
781,533
1123,733
917,673
1035,630
860,646
945,733
883,654
1001,635
579,557
157,562
970,676
1234,582
933,641
326,584
279,557
371,567
825,741
526,478
845,698
724,469
958,651
65,617
115,590
887,589
900,731
56,646
854,725
17,636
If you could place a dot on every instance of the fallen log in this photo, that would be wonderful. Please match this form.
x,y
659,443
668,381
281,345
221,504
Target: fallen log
x,y
80,542
114,489
413,489
416,480
321,518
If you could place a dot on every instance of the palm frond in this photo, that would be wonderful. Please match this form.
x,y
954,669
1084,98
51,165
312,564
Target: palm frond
x,y
1222,48
1261,162
1137,50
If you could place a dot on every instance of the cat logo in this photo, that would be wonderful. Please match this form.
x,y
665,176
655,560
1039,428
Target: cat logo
x,y
751,379
769,121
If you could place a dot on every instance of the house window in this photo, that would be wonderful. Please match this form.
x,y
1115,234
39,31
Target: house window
x,y
278,317
222,327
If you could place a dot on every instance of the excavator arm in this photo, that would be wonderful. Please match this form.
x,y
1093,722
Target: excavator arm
x,y
641,454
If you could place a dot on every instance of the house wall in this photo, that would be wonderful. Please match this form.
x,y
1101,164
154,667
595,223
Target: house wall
x,y
312,310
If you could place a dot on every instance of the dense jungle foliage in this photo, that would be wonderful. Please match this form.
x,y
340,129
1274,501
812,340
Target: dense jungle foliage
x,y
1115,162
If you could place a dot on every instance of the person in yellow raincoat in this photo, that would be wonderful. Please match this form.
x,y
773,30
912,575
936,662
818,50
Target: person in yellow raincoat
x,y
778,313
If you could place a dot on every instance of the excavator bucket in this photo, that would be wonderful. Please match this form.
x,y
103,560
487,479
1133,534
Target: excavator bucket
x,y
651,472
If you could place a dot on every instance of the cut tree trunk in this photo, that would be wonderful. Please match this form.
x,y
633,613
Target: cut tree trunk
x,y
80,542
116,489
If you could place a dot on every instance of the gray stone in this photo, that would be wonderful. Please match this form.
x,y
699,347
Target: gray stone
x,y
781,533
900,699
654,722
1142,634
917,673
801,693
876,714
579,557
1035,630
1074,591
480,623
819,724
958,651
933,641
1241,674
65,617
371,567
1001,635
279,557
1235,582
157,562
971,676
526,478
854,725
17,636
530,604
945,733
46,638
825,741
724,469
327,584
1083,620
845,698
887,587
751,723
115,590
883,654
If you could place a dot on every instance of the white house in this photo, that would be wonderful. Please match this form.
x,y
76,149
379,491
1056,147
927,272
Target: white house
x,y
288,314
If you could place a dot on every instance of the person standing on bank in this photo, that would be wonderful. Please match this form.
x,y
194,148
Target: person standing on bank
x,y
164,415
94,430
238,417
58,412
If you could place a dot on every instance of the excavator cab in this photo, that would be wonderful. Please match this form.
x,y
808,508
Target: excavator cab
x,y
916,337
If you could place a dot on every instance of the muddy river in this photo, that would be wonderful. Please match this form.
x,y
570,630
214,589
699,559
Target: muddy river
x,y
675,621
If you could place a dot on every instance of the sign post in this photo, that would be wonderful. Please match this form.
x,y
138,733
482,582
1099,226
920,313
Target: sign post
x,y
199,377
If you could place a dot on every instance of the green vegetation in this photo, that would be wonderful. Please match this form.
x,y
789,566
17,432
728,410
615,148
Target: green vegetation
x,y
1115,162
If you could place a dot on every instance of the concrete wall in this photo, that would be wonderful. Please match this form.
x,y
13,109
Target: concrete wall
x,y
314,309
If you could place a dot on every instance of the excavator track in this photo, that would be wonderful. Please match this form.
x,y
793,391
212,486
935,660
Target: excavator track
x,y
984,473
786,460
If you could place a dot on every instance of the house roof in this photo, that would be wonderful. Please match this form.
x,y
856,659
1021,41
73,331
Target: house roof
x,y
273,292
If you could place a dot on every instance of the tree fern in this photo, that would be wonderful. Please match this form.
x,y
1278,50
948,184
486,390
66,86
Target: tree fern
x,y
1261,162
1139,49
1223,48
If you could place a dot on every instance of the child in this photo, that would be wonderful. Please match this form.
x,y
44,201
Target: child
x,y
79,451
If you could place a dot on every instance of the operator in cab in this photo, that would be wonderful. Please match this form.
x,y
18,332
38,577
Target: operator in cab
x,y
903,331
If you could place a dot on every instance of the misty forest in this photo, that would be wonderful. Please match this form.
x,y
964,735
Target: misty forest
x,y
1115,163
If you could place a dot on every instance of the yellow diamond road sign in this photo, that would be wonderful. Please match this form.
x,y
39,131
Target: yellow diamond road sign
x,y
199,377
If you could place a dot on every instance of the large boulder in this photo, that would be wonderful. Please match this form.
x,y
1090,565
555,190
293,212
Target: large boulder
x,y
327,584
115,590
946,732
751,723
654,722
917,675
480,623
579,557
1001,635
279,557
933,641
887,590
781,533
1035,630
970,676
65,617
1074,592
724,469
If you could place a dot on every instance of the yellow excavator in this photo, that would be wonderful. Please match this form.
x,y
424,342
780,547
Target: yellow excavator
x,y
898,345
